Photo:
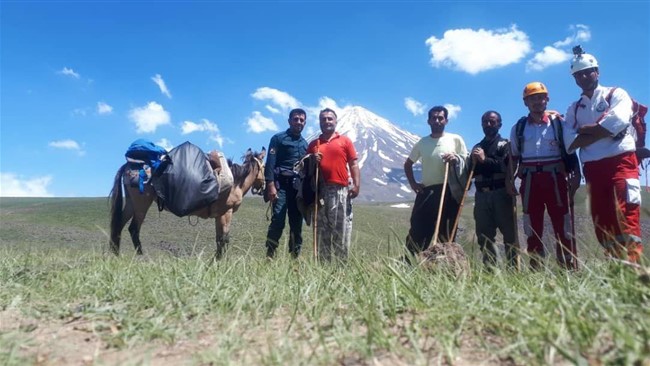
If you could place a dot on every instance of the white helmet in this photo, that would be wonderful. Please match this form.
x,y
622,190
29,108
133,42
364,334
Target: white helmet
x,y
582,60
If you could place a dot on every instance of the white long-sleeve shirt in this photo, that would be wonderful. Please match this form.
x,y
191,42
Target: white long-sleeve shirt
x,y
595,110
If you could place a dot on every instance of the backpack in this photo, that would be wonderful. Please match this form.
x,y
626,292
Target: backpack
x,y
638,126
570,160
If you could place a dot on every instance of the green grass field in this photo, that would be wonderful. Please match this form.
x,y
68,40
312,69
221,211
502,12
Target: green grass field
x,y
65,300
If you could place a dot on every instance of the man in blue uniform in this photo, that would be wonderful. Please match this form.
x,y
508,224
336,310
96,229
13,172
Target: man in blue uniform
x,y
285,149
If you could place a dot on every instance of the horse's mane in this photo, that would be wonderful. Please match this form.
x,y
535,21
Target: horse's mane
x,y
240,172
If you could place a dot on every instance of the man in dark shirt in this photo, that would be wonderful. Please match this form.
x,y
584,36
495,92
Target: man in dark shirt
x,y
493,207
285,149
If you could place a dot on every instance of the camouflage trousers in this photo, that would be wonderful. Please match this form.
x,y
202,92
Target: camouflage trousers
x,y
334,222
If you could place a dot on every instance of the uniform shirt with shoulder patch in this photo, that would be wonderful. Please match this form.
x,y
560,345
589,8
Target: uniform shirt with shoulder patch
x,y
430,149
539,140
285,149
592,110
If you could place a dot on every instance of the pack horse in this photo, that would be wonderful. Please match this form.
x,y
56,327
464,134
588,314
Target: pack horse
x,y
130,201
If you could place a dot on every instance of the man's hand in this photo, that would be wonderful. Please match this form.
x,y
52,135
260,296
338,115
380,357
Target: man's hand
x,y
271,192
319,156
449,158
417,187
510,188
594,129
478,155
354,191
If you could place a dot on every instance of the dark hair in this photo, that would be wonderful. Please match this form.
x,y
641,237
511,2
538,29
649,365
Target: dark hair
x,y
490,112
439,108
327,110
297,111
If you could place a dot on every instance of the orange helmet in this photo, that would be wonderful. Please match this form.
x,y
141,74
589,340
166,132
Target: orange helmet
x,y
535,88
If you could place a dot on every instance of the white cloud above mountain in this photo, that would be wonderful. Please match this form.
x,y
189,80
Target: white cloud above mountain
x,y
149,117
416,108
475,51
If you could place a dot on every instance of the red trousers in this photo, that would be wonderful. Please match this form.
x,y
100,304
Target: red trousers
x,y
615,198
548,191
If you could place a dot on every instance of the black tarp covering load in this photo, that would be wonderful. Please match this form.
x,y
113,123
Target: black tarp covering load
x,y
184,181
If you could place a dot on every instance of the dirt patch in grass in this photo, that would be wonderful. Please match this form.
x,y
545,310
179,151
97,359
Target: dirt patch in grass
x,y
79,341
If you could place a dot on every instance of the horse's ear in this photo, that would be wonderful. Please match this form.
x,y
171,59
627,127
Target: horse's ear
x,y
262,154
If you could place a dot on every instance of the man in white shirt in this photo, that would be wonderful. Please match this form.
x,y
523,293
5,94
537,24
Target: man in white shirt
x,y
599,125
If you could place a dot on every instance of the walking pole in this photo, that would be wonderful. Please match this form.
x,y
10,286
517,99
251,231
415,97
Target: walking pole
x,y
511,179
316,206
462,202
442,201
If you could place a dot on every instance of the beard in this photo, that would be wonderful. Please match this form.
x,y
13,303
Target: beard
x,y
490,131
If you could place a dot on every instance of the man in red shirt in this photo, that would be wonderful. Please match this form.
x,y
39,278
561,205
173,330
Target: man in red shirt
x,y
335,154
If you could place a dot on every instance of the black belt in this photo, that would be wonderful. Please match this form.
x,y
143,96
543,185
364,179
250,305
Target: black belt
x,y
490,188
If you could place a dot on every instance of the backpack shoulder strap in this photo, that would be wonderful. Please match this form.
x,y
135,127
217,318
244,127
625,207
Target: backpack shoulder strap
x,y
519,132
608,98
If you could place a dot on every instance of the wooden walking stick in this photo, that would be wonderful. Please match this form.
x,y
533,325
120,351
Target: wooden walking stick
x,y
462,202
442,201
511,181
316,206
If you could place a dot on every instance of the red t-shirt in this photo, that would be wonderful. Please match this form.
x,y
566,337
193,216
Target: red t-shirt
x,y
337,152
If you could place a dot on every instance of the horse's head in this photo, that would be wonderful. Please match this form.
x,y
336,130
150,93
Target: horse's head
x,y
259,183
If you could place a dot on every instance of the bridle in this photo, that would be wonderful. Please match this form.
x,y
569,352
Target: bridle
x,y
259,183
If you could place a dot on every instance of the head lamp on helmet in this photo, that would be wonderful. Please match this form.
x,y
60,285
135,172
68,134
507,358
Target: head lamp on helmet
x,y
535,88
581,60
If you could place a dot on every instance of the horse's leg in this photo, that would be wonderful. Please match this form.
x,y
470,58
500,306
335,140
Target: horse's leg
x,y
140,206
222,226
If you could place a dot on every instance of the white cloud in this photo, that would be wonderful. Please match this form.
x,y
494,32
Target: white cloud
x,y
553,55
165,144
67,145
581,33
453,110
161,84
148,118
475,51
103,108
277,97
12,185
69,72
257,123
548,57
413,106
272,109
205,125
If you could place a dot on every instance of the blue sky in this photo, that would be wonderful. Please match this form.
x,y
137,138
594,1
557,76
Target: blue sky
x,y
79,81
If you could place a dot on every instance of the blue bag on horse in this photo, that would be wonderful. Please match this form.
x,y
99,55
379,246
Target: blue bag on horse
x,y
185,181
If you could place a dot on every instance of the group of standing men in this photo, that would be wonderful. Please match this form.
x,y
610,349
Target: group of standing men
x,y
541,152
337,164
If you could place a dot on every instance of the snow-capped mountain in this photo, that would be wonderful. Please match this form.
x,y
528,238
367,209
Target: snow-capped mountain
x,y
382,149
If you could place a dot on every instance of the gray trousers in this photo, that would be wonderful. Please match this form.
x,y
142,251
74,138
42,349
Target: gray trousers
x,y
494,210
334,222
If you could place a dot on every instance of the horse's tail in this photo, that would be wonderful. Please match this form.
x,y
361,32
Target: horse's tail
x,y
116,203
